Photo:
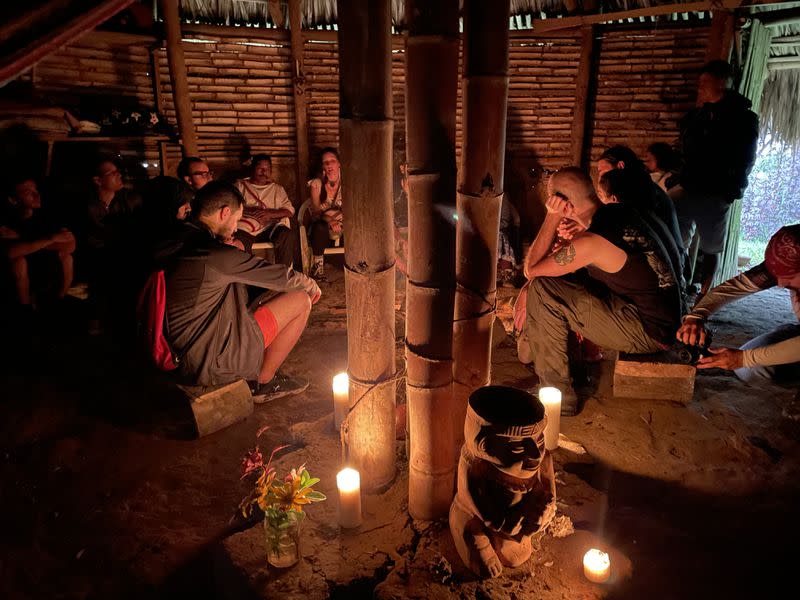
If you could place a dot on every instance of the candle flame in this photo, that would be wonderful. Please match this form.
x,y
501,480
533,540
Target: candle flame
x,y
341,383
348,480
550,395
596,560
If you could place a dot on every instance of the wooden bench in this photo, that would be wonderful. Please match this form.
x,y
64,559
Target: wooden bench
x,y
305,248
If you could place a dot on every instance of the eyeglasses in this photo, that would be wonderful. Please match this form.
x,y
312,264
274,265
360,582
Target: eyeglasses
x,y
204,174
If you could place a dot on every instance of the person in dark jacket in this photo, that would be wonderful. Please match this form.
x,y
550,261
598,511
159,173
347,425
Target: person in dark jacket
x,y
216,333
718,142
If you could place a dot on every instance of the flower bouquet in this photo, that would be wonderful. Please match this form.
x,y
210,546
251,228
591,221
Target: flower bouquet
x,y
281,501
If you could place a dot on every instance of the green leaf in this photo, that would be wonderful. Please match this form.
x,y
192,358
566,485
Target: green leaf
x,y
316,496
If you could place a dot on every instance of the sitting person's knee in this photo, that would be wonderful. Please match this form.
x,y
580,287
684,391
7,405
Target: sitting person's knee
x,y
19,266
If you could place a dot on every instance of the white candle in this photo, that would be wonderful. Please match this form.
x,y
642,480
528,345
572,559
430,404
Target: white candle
x,y
341,398
551,398
349,483
596,565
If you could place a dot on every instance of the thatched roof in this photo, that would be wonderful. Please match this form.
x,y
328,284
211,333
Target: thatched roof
x,y
319,13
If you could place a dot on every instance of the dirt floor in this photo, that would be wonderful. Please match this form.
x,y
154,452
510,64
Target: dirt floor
x,y
105,493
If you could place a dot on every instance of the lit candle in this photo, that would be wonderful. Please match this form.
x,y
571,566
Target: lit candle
x,y
341,398
596,565
551,398
349,483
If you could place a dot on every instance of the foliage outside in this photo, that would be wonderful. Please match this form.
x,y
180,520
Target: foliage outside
x,y
772,198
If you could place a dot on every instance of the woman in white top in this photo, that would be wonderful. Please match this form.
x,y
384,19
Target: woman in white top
x,y
326,209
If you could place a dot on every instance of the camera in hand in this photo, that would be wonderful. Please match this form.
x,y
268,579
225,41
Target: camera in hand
x,y
689,354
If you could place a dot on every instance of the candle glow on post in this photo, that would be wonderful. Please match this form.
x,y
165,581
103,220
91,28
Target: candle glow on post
x,y
349,483
550,397
341,398
596,565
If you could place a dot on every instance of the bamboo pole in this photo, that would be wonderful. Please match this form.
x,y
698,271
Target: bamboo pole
x,y
366,128
431,94
300,111
178,77
480,194
720,39
582,97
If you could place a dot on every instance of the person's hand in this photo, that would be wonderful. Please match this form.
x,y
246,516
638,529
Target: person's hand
x,y
692,332
62,237
722,358
315,294
558,205
568,229
6,233
315,185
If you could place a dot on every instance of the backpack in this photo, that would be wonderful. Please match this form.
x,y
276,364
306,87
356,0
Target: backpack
x,y
151,313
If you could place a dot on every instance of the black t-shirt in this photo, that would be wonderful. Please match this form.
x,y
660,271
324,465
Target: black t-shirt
x,y
646,280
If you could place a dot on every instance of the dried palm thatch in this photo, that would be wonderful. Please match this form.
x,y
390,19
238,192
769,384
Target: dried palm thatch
x,y
780,116
323,12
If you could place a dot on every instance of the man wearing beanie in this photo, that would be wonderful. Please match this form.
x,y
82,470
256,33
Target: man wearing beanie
x,y
774,356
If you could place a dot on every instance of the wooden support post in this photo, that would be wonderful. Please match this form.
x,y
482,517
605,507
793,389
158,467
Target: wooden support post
x,y
431,94
480,195
178,77
300,111
366,126
582,97
723,25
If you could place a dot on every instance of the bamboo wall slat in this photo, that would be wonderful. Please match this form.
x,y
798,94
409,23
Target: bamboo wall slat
x,y
242,90
646,83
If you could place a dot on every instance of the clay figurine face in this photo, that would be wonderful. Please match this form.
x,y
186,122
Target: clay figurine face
x,y
515,455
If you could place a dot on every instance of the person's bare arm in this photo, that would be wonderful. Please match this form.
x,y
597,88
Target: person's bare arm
x,y
315,188
65,239
585,249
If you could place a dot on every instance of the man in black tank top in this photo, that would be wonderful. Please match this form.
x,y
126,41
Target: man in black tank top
x,y
630,300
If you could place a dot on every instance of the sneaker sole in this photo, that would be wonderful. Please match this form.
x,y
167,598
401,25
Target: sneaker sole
x,y
264,398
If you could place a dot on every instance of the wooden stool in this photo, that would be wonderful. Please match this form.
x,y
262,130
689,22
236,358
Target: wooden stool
x,y
652,377
216,407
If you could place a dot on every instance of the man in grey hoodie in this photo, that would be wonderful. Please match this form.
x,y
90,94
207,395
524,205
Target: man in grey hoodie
x,y
217,334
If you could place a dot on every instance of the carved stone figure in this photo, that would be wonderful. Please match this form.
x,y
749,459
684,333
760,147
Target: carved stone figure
x,y
506,486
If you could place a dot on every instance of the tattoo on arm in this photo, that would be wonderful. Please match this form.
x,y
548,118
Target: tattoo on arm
x,y
565,255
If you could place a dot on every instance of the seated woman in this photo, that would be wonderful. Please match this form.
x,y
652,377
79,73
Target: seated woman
x,y
326,210
663,164
35,248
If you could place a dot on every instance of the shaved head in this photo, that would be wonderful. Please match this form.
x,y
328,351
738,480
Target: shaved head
x,y
574,185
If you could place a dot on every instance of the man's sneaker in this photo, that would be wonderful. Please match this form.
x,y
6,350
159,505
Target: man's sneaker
x,y
280,386
318,272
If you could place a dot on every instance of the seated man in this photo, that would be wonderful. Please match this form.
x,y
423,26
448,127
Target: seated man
x,y
774,356
29,241
209,325
629,301
267,210
194,172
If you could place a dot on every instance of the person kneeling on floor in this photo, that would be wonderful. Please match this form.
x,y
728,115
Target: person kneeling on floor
x,y
211,327
773,356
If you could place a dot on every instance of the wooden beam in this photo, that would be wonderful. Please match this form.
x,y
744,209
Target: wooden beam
x,y
13,65
540,26
178,77
366,127
480,195
431,95
720,39
582,98
300,110
276,13
776,18
30,18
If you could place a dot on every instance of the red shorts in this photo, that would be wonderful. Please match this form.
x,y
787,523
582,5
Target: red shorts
x,y
267,323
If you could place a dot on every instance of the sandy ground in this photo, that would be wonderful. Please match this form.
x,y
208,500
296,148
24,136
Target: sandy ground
x,y
106,495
